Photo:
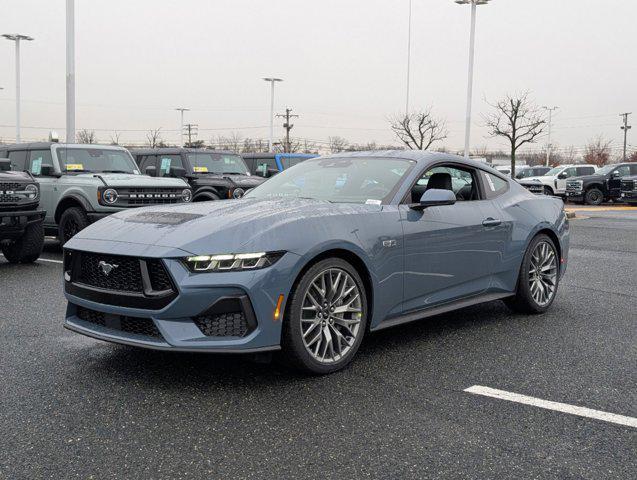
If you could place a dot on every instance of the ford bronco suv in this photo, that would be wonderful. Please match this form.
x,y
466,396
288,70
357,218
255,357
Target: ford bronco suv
x,y
212,174
21,233
80,184
603,185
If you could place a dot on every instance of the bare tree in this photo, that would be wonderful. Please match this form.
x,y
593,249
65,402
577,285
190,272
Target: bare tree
x,y
420,130
518,120
115,138
86,136
153,138
598,151
337,144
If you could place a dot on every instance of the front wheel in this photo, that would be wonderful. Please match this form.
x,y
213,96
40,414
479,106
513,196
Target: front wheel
x,y
28,247
548,191
72,221
538,278
326,318
594,196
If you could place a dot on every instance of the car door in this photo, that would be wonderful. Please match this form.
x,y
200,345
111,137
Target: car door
x,y
35,161
450,251
560,180
615,180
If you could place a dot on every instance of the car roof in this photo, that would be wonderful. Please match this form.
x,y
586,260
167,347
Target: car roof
x,y
284,155
47,145
420,156
177,150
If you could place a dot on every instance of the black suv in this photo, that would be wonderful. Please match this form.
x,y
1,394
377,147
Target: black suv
x,y
213,175
21,231
603,185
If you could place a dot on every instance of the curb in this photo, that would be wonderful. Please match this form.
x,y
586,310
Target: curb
x,y
570,215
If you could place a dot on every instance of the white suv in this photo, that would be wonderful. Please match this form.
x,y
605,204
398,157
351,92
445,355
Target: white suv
x,y
554,181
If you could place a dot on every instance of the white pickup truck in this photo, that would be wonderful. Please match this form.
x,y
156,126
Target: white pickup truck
x,y
554,181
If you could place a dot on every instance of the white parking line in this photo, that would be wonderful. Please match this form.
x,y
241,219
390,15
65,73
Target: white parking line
x,y
44,260
557,406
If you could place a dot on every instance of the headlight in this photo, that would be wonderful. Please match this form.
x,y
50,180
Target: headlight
x,y
186,195
238,192
31,191
110,196
232,261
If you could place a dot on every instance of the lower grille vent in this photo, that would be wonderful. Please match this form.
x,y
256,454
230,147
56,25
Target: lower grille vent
x,y
123,323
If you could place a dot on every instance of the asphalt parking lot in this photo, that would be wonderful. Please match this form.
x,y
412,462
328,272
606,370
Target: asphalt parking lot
x,y
72,407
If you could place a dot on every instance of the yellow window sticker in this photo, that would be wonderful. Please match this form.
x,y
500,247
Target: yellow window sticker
x,y
74,166
200,169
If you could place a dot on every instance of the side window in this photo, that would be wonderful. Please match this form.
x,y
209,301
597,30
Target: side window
x,y
585,170
18,160
146,161
461,181
493,186
633,169
570,172
250,162
37,158
166,162
623,171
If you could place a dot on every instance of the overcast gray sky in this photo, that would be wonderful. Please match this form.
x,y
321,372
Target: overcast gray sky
x,y
343,61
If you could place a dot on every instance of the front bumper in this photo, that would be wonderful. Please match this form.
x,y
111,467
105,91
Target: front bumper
x,y
13,224
178,325
575,196
629,196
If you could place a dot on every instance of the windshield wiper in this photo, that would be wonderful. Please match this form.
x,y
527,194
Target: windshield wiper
x,y
78,171
114,171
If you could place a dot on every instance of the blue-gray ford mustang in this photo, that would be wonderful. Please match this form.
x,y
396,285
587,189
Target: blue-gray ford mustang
x,y
316,257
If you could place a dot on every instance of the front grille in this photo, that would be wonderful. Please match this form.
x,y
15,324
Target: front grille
x,y
536,189
149,196
628,185
122,323
10,187
125,274
574,186
233,324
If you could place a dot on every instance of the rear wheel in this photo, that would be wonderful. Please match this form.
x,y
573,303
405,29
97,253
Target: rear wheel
x,y
538,279
594,196
26,249
326,318
72,221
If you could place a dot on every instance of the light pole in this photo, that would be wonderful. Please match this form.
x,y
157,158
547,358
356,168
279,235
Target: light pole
x,y
472,37
548,145
70,71
272,81
182,110
17,38
408,60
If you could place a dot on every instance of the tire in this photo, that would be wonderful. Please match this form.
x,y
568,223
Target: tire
x,y
296,351
524,301
26,249
593,196
548,191
72,221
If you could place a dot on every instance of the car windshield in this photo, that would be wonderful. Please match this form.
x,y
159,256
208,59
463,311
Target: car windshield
x,y
606,169
96,160
553,171
218,163
338,180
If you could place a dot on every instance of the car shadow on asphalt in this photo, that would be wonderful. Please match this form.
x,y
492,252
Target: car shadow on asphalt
x,y
174,370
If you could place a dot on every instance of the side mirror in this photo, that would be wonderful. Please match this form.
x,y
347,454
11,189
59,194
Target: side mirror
x,y
562,175
5,164
48,171
272,172
616,174
150,170
177,172
434,197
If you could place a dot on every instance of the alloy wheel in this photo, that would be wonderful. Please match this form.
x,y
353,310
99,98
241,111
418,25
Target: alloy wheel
x,y
543,273
331,315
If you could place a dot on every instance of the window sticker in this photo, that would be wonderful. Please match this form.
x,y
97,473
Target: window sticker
x,y
74,166
200,169
371,201
165,164
36,166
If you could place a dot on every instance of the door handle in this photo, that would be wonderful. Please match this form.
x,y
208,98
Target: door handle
x,y
491,222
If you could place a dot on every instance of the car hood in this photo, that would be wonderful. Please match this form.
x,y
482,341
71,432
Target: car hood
x,y
129,180
224,226
586,178
536,180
